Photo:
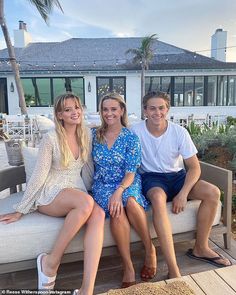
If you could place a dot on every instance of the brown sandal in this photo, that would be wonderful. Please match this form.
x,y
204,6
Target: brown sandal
x,y
128,284
148,273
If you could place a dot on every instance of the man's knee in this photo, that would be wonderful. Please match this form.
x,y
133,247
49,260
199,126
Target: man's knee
x,y
158,198
213,193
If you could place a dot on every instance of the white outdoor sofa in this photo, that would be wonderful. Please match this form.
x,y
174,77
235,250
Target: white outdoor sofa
x,y
22,241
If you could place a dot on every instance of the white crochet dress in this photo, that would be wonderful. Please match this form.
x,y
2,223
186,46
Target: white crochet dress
x,y
49,177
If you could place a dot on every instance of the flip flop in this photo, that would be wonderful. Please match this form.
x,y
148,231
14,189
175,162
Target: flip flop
x,y
44,282
211,260
148,273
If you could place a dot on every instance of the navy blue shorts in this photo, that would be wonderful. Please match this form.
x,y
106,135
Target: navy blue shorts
x,y
171,182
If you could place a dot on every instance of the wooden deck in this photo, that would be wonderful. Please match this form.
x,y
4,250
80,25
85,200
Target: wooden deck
x,y
212,282
110,271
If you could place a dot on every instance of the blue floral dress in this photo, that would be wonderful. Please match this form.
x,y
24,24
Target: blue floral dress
x,y
111,166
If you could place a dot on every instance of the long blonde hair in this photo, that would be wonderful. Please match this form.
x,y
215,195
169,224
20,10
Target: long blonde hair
x,y
82,136
124,118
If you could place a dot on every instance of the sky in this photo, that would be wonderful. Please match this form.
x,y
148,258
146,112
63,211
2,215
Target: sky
x,y
188,24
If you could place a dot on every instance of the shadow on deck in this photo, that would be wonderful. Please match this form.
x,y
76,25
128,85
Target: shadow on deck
x,y
110,269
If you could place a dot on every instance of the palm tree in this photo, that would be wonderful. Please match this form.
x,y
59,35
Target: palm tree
x,y
142,56
44,7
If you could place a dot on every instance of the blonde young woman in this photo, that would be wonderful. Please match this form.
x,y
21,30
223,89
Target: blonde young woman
x,y
57,189
117,186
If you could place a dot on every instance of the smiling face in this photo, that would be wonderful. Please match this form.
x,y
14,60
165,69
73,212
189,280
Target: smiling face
x,y
71,113
156,111
111,112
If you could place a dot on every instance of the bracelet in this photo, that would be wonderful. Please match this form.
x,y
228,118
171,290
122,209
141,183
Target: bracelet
x,y
122,186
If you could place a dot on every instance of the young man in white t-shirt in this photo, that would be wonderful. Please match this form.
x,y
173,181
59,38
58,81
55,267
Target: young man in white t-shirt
x,y
166,149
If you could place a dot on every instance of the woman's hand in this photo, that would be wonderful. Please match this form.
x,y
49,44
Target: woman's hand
x,y
10,217
115,203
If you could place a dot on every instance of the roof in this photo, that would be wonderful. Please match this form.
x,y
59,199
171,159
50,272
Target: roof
x,y
104,54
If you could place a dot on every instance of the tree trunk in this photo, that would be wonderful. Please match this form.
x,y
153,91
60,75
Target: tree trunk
x,y
12,59
142,89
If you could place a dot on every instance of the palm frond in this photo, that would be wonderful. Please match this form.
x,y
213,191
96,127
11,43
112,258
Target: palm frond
x,y
45,7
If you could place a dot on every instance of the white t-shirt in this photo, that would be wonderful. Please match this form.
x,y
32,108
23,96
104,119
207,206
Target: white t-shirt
x,y
164,153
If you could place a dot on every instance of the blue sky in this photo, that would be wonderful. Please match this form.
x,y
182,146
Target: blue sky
x,y
184,23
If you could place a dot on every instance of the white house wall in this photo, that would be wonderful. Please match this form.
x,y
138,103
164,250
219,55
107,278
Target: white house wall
x,y
90,97
133,94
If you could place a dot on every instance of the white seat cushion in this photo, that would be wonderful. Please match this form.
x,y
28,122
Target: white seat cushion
x,y
35,233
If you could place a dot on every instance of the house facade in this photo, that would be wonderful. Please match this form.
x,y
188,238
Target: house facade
x,y
91,67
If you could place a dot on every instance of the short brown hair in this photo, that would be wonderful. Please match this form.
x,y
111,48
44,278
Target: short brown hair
x,y
156,94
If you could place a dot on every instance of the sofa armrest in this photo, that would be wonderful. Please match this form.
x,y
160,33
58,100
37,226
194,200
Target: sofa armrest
x,y
11,177
223,179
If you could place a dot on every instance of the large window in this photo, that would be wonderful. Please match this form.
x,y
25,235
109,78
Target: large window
x,y
43,91
109,84
195,90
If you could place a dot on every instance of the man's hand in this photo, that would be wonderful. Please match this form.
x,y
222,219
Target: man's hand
x,y
179,203
10,217
115,204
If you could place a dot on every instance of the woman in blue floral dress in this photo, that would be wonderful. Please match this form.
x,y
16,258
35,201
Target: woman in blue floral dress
x,y
117,186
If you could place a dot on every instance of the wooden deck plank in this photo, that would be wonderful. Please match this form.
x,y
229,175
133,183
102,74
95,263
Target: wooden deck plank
x,y
217,240
228,274
193,285
212,284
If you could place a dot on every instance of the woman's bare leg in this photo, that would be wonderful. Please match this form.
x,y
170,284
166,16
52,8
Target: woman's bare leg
x,y
77,207
121,232
93,241
138,220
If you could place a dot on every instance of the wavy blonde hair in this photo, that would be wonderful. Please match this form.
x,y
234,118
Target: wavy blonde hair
x,y
82,136
124,118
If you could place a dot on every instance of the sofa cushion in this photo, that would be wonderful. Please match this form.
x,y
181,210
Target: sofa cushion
x,y
35,233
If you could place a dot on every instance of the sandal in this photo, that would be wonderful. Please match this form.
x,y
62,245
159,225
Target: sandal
x,y
127,284
44,282
148,273
211,260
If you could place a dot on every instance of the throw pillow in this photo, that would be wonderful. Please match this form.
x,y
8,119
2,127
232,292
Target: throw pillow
x,y
30,157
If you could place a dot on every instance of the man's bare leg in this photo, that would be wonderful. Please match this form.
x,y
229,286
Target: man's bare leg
x,y
163,229
209,194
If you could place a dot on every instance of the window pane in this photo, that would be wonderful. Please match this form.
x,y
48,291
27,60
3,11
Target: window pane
x,y
178,91
102,87
199,91
165,84
232,91
222,90
105,85
37,91
68,84
118,85
188,91
211,90
152,84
